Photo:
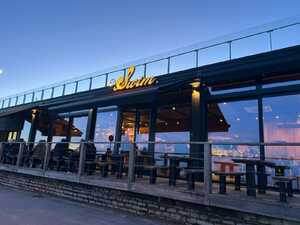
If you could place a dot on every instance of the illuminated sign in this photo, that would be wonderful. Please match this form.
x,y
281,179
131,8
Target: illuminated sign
x,y
125,83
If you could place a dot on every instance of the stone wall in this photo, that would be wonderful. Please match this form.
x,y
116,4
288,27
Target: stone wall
x,y
174,211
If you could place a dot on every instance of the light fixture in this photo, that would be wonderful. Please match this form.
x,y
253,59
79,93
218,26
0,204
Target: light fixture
x,y
221,120
166,123
173,108
196,83
177,123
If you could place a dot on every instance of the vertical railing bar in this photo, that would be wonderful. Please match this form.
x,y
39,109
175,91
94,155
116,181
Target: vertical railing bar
x,y
197,58
52,92
47,156
20,155
270,40
169,61
81,159
207,170
106,79
9,101
76,86
32,99
64,89
230,50
3,100
17,98
124,73
131,167
145,69
24,100
91,83
42,95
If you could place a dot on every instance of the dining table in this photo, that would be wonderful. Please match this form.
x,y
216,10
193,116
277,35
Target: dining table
x,y
174,163
250,174
227,165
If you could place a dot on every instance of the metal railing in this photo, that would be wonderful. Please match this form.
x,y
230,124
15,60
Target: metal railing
x,y
124,161
260,39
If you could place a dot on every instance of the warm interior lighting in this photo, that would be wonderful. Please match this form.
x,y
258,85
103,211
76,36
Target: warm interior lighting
x,y
195,84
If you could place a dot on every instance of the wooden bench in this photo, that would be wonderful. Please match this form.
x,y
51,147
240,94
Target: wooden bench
x,y
222,180
285,186
190,177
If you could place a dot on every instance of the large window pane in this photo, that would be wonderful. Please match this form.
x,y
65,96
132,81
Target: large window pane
x,y
105,126
25,131
78,131
282,125
233,122
173,125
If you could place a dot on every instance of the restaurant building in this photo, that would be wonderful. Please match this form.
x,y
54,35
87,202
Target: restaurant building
x,y
235,96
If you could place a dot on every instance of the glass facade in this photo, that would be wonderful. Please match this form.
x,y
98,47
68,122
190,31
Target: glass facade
x,y
282,125
173,124
78,131
237,122
106,122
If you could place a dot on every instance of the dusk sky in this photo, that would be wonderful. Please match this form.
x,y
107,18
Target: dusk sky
x,y
43,42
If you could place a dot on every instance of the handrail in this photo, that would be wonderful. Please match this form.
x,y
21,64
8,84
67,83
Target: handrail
x,y
269,29
166,142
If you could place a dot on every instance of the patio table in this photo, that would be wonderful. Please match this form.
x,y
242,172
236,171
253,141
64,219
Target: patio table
x,y
174,161
250,174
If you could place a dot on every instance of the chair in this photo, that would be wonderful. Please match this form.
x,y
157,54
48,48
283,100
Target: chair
x,y
38,154
90,158
58,158
11,153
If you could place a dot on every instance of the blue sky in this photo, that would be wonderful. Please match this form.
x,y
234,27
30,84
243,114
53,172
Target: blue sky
x,y
42,42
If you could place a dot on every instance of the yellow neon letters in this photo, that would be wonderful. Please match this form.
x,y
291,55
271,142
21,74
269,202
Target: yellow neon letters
x,y
124,83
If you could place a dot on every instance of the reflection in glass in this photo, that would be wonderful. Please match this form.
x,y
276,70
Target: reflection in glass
x,y
128,128
79,127
135,128
173,124
142,133
25,131
233,122
105,126
282,125
60,129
